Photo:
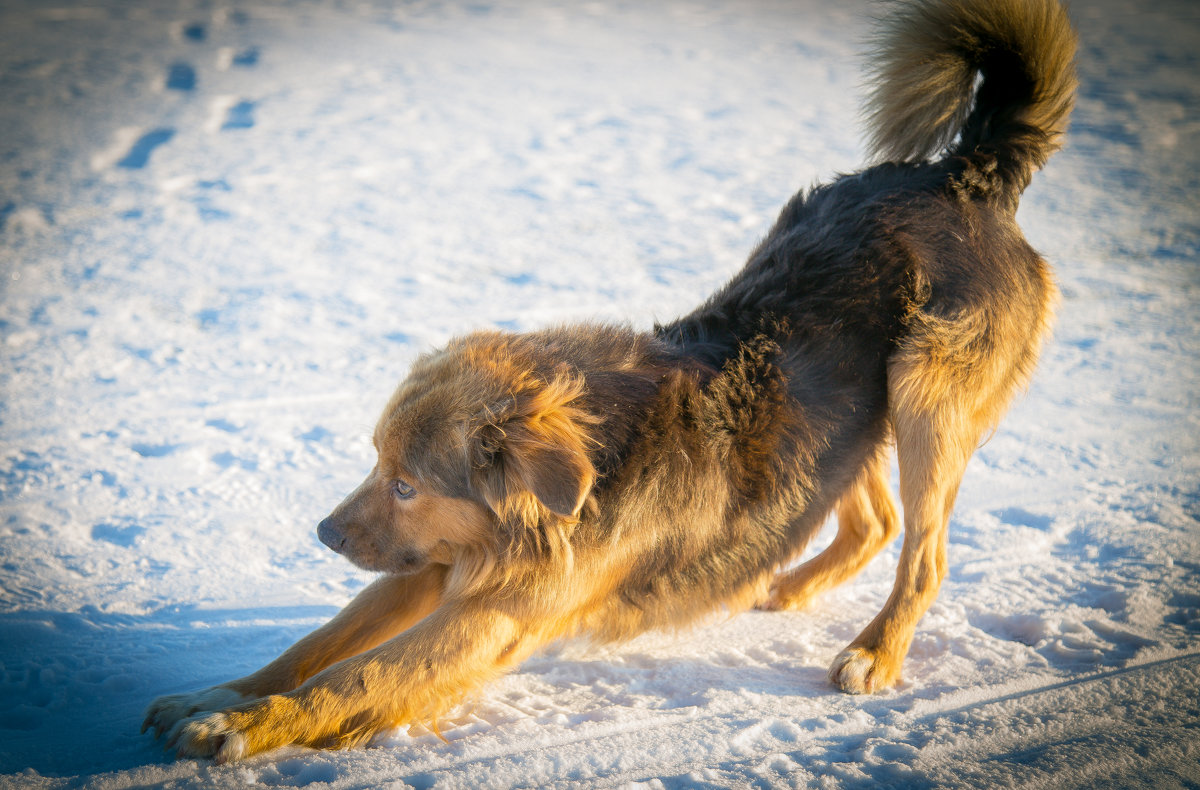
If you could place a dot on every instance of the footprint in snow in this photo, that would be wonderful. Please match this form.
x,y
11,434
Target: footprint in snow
x,y
147,450
124,535
223,425
228,57
139,154
240,116
181,77
317,434
227,460
1020,517
246,58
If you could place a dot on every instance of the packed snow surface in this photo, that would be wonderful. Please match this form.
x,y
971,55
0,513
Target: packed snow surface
x,y
227,227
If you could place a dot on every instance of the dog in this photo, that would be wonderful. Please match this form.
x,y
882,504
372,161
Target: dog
x,y
596,481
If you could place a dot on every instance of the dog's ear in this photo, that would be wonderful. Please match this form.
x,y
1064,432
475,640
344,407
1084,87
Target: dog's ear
x,y
531,449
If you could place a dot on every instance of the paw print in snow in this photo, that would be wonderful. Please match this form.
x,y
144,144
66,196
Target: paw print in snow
x,y
181,77
240,116
139,154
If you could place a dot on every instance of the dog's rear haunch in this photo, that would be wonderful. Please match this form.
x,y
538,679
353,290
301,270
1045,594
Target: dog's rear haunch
x,y
596,481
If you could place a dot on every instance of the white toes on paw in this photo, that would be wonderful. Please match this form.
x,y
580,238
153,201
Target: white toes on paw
x,y
233,749
167,714
853,671
207,735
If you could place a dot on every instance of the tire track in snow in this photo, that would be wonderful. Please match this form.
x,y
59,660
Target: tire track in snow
x,y
917,759
1077,732
1065,684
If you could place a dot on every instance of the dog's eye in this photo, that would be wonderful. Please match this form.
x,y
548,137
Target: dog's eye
x,y
403,490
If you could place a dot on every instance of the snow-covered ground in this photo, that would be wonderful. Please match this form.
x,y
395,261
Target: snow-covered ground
x,y
227,227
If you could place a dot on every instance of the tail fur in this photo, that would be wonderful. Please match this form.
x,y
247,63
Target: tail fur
x,y
924,102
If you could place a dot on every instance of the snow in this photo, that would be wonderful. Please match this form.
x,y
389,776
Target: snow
x,y
228,226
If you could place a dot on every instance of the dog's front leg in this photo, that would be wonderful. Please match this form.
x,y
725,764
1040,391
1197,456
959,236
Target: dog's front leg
x,y
414,677
385,608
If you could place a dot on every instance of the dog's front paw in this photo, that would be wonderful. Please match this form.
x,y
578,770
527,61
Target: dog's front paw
x,y
239,732
166,712
859,670
208,735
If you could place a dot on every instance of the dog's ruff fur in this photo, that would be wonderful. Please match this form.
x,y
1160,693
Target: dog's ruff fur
x,y
597,481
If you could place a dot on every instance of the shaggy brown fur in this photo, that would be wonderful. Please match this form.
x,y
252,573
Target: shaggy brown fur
x,y
598,481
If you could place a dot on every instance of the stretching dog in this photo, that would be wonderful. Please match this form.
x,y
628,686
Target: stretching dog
x,y
597,481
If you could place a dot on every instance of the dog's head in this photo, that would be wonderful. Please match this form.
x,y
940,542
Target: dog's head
x,y
482,449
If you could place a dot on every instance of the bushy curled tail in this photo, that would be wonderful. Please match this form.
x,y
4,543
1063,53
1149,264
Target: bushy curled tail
x,y
924,99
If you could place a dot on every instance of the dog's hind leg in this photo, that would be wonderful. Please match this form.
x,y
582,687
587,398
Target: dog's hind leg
x,y
867,521
947,385
933,450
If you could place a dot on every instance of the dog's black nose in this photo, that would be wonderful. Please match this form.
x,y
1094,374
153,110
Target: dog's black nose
x,y
331,535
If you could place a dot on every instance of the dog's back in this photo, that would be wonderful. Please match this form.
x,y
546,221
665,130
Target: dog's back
x,y
969,99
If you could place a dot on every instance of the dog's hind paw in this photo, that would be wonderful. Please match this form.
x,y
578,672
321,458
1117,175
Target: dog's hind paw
x,y
776,600
858,670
